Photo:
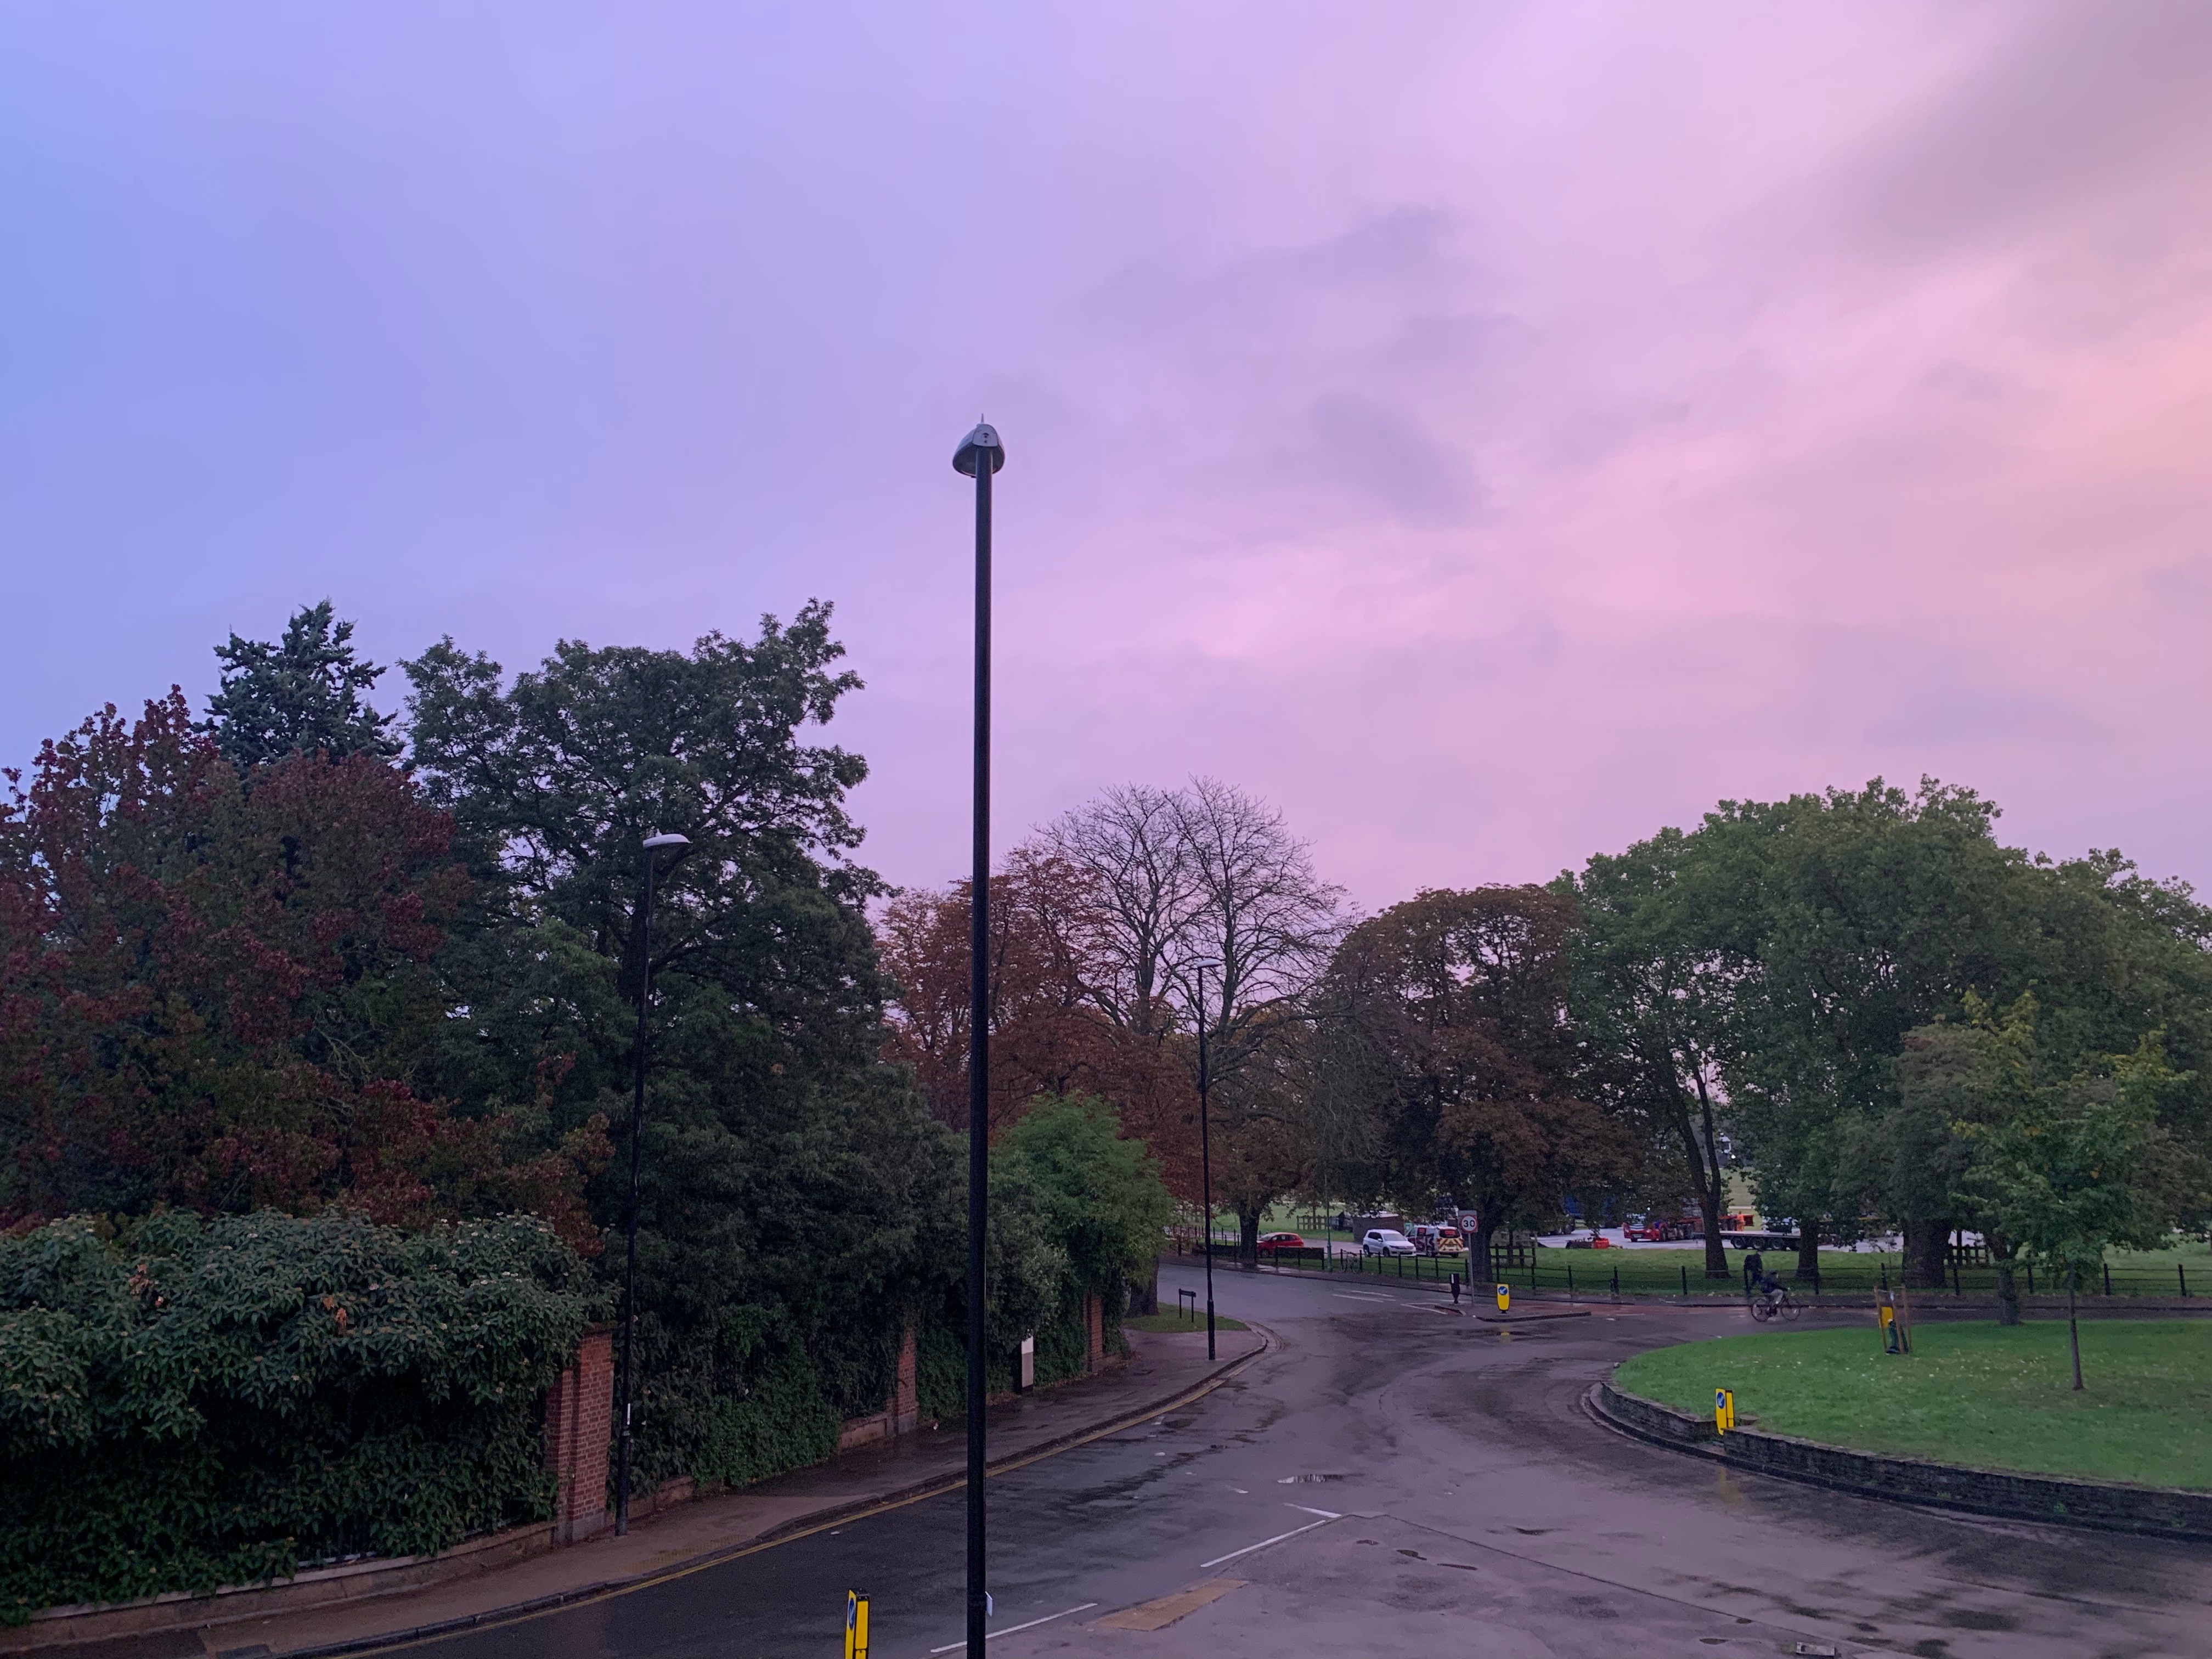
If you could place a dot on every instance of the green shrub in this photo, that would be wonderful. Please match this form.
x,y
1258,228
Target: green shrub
x,y
190,1403
783,1423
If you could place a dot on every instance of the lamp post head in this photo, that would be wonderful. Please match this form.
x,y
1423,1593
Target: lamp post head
x,y
983,441
656,845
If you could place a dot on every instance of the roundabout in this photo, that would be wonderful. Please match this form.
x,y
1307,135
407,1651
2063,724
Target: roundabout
x,y
1972,1393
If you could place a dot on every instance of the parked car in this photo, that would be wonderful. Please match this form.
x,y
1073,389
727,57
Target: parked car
x,y
1596,1241
1385,1241
1270,1242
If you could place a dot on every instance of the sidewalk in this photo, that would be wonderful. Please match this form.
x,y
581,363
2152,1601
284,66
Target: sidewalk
x,y
1162,1370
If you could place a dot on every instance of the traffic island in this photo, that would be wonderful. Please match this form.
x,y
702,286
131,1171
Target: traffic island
x,y
1978,1418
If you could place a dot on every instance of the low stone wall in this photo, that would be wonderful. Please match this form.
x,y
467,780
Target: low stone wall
x,y
2106,1506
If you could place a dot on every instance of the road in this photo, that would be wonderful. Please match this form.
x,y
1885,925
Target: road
x,y
1444,1493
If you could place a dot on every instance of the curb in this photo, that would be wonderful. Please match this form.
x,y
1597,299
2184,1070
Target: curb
x,y
1531,1318
784,1532
1919,1483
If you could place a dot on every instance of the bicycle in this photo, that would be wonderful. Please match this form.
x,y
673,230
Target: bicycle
x,y
1776,1303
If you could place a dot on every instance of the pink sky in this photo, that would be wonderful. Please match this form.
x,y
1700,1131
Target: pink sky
x,y
1490,431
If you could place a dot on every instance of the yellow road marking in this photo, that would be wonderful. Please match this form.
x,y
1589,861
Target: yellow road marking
x,y
1158,1615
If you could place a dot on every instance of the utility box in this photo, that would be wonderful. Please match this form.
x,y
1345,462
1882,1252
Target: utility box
x,y
1025,1366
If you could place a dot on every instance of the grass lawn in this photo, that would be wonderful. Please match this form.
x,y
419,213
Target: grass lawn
x,y
1176,1321
1979,1394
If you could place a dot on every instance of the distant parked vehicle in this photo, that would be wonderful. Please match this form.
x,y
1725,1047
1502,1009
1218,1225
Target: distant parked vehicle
x,y
1596,1241
1270,1243
1438,1238
1385,1241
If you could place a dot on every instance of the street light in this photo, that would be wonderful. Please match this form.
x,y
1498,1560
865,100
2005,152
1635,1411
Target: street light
x,y
1205,1162
980,455
649,858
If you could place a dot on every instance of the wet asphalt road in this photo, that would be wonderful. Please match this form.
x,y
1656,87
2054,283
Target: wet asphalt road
x,y
1479,1512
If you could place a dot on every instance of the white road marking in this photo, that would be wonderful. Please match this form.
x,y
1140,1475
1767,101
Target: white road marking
x,y
993,1636
1264,1542
1326,1515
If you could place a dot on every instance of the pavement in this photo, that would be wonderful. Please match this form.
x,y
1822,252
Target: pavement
x,y
1392,1477
673,1546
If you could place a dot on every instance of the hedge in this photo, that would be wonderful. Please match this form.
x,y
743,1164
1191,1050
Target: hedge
x,y
186,1403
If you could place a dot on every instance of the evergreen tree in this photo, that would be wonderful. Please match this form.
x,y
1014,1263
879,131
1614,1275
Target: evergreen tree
x,y
304,694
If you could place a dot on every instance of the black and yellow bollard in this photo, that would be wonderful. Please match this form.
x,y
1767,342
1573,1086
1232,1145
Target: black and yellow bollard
x,y
856,1626
1723,1410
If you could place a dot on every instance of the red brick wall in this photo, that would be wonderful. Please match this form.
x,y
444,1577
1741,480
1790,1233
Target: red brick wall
x,y
906,1391
1094,1332
579,1425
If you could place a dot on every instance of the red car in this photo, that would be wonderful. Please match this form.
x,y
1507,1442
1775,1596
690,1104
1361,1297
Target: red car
x,y
1270,1242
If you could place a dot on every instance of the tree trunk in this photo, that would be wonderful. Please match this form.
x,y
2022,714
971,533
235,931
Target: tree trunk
x,y
1924,1253
1709,1211
1808,1251
2073,1327
2007,1292
1478,1252
1145,1293
1248,1242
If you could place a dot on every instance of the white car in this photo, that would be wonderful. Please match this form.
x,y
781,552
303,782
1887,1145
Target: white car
x,y
1386,1241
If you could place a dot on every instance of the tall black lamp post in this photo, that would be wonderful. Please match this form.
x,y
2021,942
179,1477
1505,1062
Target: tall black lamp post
x,y
650,855
980,455
1206,1161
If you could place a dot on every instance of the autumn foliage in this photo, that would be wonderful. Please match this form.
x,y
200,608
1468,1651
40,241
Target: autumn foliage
x,y
1048,1035
217,989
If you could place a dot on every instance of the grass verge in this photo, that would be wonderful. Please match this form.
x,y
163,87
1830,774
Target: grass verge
x,y
1176,1321
1982,1395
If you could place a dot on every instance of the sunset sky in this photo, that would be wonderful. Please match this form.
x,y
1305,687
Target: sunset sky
x,y
1489,431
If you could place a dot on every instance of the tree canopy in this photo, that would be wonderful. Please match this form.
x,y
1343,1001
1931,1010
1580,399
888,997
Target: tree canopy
x,y
308,692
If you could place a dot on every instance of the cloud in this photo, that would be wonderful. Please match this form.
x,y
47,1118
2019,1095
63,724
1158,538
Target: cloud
x,y
1491,432
1375,451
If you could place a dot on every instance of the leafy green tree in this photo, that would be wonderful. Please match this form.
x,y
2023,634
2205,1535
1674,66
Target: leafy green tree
x,y
1654,1004
1843,921
1100,1196
2068,1169
1836,925
798,1201
305,693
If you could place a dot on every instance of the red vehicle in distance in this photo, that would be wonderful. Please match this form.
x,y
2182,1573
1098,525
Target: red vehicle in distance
x,y
1270,1243
1658,1230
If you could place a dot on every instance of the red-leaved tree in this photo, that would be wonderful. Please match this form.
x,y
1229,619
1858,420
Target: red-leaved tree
x,y
217,990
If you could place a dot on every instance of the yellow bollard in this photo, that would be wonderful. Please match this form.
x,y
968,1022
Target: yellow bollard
x,y
1504,1298
1723,1411
856,1626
